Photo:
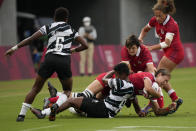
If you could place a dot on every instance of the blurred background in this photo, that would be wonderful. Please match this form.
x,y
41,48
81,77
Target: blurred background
x,y
114,21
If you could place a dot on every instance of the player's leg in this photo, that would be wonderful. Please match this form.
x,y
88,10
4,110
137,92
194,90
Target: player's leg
x,y
90,53
93,88
168,64
92,107
82,62
45,71
39,82
71,102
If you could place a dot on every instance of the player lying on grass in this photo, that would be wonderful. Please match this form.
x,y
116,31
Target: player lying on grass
x,y
121,89
139,78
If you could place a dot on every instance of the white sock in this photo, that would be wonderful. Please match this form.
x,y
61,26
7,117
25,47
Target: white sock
x,y
59,93
88,93
61,100
24,108
46,111
170,91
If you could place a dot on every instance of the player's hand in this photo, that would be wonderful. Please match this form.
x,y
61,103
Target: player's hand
x,y
149,48
141,114
9,52
73,50
141,41
172,106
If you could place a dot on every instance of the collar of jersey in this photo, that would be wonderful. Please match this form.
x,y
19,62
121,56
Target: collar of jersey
x,y
138,51
166,20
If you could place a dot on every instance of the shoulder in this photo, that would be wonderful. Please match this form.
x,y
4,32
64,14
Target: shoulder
x,y
123,48
152,22
172,24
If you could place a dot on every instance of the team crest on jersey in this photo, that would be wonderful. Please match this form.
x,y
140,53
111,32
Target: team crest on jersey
x,y
139,62
162,31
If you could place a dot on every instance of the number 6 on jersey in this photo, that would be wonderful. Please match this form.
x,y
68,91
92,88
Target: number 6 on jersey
x,y
59,46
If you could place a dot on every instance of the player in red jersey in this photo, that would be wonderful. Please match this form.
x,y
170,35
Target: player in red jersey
x,y
143,82
168,32
137,56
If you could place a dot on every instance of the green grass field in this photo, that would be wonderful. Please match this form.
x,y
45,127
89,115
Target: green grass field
x,y
12,94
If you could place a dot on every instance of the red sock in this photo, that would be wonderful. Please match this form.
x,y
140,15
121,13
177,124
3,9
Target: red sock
x,y
172,95
160,102
53,99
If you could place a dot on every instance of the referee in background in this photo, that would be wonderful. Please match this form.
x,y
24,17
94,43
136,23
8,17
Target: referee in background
x,y
88,32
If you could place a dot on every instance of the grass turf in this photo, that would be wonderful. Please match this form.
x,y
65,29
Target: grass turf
x,y
12,94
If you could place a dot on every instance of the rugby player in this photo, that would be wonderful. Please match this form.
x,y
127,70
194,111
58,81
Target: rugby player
x,y
142,86
60,37
168,31
139,58
107,108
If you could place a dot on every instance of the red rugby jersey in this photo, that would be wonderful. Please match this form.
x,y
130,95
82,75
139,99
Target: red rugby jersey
x,y
137,79
140,60
168,26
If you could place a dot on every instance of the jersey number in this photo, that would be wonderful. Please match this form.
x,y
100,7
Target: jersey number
x,y
59,46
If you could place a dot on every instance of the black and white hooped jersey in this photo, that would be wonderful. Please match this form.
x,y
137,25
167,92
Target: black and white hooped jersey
x,y
60,37
120,91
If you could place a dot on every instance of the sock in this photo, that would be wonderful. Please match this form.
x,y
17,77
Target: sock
x,y
172,95
54,99
147,108
59,93
160,102
46,111
61,100
88,93
24,108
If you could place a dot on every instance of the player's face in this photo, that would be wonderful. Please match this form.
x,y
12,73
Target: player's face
x,y
132,50
160,16
162,79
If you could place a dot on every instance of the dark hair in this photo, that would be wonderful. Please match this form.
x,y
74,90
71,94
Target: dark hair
x,y
122,68
132,40
61,14
166,6
163,72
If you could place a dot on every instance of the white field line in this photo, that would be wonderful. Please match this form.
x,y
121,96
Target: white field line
x,y
38,128
175,127
106,130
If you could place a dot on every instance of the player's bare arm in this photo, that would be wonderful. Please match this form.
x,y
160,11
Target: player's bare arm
x,y
150,68
162,111
25,42
137,107
82,47
108,76
162,45
143,33
150,91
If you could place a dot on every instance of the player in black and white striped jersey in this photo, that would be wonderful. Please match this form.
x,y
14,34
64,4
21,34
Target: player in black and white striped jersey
x,y
57,58
109,107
